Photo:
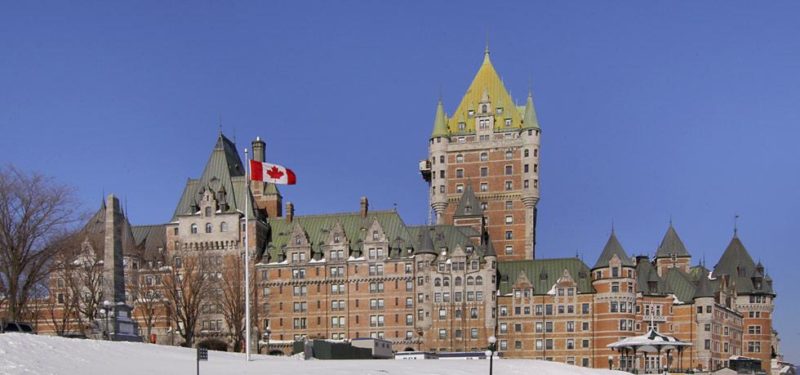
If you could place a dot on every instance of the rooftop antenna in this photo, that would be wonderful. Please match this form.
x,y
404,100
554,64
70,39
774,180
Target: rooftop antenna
x,y
735,225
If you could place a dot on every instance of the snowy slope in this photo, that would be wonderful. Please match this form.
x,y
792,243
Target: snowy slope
x,y
31,354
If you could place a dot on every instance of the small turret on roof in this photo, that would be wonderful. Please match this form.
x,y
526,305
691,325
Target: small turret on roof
x,y
529,118
704,288
426,242
671,245
440,122
613,247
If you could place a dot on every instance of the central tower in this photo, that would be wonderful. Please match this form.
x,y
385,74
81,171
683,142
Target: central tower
x,y
492,145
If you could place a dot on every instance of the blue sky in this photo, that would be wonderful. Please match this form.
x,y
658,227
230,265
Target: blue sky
x,y
649,110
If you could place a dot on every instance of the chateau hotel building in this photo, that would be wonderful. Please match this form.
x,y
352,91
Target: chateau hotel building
x,y
469,275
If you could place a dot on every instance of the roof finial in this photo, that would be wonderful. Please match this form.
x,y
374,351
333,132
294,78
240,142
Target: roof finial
x,y
486,49
736,225
612,226
219,123
670,220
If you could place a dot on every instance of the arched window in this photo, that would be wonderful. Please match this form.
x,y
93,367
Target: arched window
x,y
526,153
509,155
470,280
484,108
484,156
194,229
479,280
223,227
208,227
437,282
457,281
446,281
208,211
459,158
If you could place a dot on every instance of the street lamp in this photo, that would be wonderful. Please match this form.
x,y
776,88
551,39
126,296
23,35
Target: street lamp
x,y
107,310
266,336
492,348
610,361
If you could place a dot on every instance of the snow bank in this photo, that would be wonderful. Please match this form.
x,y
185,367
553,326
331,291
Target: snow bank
x,y
32,354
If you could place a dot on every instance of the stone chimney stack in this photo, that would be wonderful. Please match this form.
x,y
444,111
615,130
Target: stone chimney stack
x,y
289,212
364,206
114,279
258,149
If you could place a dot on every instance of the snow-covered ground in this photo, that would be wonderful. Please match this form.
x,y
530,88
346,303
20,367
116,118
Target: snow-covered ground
x,y
31,354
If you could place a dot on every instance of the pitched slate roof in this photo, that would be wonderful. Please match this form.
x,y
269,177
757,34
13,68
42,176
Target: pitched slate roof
x,y
486,81
355,227
529,118
224,170
645,274
671,244
151,239
543,274
613,247
468,205
704,288
737,263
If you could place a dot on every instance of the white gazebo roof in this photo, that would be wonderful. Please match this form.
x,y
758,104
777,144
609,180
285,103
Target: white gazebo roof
x,y
650,342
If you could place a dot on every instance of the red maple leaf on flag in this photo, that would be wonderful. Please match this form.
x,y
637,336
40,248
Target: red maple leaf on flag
x,y
275,173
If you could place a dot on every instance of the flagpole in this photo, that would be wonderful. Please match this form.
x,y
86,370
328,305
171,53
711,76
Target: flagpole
x,y
247,260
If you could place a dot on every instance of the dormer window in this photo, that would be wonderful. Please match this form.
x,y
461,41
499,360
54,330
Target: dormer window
x,y
508,122
484,108
297,240
336,239
471,113
208,211
375,235
499,110
462,126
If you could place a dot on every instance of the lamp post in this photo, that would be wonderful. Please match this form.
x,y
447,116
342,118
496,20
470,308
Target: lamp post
x,y
492,348
266,336
610,361
106,311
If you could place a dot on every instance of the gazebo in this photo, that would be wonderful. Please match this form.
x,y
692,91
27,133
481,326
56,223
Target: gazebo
x,y
649,343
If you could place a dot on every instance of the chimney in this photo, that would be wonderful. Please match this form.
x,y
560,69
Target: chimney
x,y
258,149
364,206
289,212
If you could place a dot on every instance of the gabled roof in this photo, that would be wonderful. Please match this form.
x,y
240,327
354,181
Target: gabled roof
x,y
613,247
671,244
468,205
224,170
544,273
486,81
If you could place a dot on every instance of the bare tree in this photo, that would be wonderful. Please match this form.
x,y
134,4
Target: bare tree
x,y
86,278
62,312
35,212
149,297
232,297
187,287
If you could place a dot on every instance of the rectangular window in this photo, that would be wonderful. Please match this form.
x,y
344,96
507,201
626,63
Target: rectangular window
x,y
509,170
484,171
509,185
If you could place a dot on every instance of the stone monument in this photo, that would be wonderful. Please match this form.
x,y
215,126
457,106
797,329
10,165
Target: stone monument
x,y
117,323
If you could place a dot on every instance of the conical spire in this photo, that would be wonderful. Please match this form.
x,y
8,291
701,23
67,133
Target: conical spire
x,y
440,122
529,119
613,247
704,288
671,245
426,242
469,205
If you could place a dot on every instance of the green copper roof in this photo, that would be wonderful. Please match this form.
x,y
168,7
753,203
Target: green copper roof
x,y
680,284
529,118
440,122
318,227
613,247
223,171
671,244
543,274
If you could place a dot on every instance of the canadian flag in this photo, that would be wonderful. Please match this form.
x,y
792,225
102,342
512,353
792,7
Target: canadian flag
x,y
277,174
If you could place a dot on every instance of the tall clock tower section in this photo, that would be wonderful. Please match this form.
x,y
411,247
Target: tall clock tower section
x,y
492,145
